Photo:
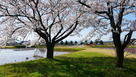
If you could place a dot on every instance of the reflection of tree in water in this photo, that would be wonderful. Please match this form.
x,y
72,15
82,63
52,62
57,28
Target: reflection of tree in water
x,y
39,52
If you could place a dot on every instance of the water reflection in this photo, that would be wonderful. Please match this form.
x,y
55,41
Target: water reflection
x,y
41,52
19,55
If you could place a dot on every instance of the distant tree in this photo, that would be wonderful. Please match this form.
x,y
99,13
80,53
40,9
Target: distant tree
x,y
101,42
81,43
71,42
75,42
66,42
62,43
91,42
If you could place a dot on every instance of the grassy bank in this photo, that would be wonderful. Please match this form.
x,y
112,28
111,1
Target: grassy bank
x,y
68,48
132,46
43,46
14,47
110,46
102,46
57,48
91,62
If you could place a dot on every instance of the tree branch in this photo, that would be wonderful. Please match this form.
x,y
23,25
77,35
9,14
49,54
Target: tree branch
x,y
82,3
61,38
127,38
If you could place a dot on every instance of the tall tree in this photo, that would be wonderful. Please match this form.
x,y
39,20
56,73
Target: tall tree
x,y
53,20
115,12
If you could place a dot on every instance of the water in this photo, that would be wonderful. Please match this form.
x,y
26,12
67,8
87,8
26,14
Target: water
x,y
19,55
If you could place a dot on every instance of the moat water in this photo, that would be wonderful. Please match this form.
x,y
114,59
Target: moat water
x,y
19,55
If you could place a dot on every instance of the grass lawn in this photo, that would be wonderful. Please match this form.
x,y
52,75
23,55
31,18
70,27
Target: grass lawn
x,y
90,62
132,46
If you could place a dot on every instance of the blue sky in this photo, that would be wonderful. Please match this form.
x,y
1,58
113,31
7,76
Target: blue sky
x,y
104,37
86,31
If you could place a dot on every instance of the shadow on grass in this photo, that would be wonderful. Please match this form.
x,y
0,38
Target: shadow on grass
x,y
72,67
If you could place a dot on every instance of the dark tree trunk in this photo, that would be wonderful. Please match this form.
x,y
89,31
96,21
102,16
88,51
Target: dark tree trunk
x,y
119,50
50,51
120,56
120,47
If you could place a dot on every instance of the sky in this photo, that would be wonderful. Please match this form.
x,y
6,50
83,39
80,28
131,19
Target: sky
x,y
86,31
103,38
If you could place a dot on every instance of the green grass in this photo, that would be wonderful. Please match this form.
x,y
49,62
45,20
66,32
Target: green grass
x,y
66,48
57,48
10,47
110,46
91,62
16,46
132,46
40,46
103,46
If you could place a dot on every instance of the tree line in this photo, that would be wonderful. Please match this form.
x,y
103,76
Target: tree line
x,y
96,42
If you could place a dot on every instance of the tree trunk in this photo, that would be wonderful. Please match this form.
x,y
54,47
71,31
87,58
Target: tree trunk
x,y
119,50
120,56
50,51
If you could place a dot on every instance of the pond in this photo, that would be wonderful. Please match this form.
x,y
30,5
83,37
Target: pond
x,y
19,55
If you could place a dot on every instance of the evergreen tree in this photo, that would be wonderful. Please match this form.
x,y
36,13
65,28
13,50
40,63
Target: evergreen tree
x,y
91,42
66,42
75,42
101,42
81,43
71,43
62,43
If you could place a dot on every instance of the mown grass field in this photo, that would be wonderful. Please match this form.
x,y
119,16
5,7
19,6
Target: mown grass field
x,y
90,62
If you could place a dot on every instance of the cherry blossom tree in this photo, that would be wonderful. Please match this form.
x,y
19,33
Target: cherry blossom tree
x,y
52,20
116,13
